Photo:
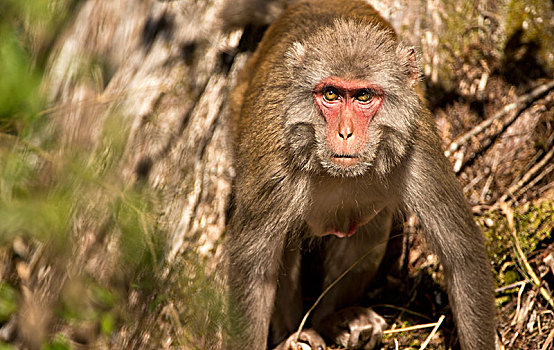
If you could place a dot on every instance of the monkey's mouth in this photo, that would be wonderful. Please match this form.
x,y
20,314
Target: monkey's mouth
x,y
345,159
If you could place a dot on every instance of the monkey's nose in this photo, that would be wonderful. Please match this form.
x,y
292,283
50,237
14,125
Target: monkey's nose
x,y
346,127
345,134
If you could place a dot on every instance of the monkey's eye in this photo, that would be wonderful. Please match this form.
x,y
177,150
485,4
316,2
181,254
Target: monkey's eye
x,y
364,96
330,95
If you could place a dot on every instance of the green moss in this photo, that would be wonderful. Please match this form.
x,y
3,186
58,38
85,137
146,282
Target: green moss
x,y
534,223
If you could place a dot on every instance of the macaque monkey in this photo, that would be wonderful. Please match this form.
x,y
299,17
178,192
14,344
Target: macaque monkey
x,y
332,148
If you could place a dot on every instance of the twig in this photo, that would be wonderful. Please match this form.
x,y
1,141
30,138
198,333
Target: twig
x,y
474,182
511,286
528,175
548,341
509,213
546,187
500,338
522,316
403,309
411,328
511,344
549,143
517,316
521,101
518,307
439,322
492,173
538,178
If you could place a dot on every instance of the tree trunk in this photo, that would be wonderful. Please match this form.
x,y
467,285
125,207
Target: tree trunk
x,y
166,69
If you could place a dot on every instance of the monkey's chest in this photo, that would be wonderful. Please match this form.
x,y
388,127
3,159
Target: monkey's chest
x,y
341,209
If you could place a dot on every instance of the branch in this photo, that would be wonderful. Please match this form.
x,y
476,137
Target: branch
x,y
437,325
528,176
519,103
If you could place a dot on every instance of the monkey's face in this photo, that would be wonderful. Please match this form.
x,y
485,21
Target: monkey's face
x,y
347,108
351,106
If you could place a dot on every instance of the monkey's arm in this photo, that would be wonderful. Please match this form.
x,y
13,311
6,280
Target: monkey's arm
x,y
266,210
433,193
253,267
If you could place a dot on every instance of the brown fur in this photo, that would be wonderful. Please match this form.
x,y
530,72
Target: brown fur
x,y
286,187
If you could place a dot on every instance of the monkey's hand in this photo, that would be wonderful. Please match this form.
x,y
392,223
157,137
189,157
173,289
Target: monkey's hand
x,y
354,328
308,336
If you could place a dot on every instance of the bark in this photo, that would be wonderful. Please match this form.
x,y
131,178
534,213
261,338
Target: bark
x,y
166,68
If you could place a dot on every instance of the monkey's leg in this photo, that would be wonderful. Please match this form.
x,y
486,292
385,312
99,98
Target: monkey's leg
x,y
287,312
434,195
336,318
355,327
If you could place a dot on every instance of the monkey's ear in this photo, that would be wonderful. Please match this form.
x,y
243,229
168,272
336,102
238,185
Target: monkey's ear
x,y
409,62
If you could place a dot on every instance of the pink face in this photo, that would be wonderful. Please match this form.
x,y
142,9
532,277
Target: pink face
x,y
348,107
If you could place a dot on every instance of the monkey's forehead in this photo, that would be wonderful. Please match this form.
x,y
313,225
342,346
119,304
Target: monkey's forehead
x,y
345,48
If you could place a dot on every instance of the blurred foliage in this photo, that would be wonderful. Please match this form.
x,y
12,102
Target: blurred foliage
x,y
5,346
60,342
18,86
44,194
8,301
48,196
28,29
